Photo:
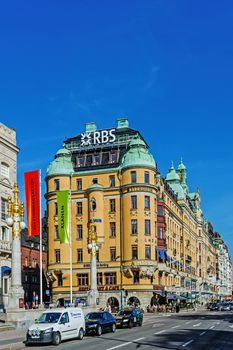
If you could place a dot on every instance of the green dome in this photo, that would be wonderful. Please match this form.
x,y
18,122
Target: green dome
x,y
63,152
138,155
62,164
181,166
95,187
172,175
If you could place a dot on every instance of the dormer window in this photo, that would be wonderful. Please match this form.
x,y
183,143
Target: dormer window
x,y
96,160
113,157
80,161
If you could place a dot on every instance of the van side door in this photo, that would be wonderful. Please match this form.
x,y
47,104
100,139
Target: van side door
x,y
65,326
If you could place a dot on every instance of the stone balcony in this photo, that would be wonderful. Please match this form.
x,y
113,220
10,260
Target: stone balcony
x,y
5,246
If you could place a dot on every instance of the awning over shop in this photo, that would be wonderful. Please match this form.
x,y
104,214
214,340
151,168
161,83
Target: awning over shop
x,y
171,297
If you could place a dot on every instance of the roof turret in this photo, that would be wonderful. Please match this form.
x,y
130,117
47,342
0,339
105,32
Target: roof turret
x,y
172,175
181,166
62,164
138,155
173,180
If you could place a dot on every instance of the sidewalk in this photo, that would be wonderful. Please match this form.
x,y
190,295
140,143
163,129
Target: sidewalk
x,y
12,339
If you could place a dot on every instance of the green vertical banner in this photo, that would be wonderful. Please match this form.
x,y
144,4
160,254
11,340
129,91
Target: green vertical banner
x,y
63,216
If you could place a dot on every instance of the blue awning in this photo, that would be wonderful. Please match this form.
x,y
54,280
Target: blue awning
x,y
5,269
162,254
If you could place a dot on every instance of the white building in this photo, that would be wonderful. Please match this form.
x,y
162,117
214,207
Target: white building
x,y
8,167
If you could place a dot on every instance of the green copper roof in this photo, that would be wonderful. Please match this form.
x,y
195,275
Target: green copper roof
x,y
173,180
181,166
62,164
137,155
63,152
172,175
95,187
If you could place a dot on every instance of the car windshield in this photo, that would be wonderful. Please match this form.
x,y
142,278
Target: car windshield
x,y
94,316
124,312
50,317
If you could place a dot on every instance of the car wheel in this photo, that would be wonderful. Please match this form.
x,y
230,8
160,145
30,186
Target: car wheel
x,y
130,324
113,327
56,338
99,330
80,334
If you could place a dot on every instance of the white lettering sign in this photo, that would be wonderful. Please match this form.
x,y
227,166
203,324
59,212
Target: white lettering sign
x,y
98,137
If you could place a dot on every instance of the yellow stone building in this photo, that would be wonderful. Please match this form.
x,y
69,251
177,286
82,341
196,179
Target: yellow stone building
x,y
149,229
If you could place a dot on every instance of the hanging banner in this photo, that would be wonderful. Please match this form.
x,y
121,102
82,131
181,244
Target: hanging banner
x,y
63,216
32,194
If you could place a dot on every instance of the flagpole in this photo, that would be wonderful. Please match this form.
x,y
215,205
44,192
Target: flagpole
x,y
70,224
41,260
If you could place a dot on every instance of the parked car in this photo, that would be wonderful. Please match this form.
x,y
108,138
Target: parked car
x,y
129,318
216,306
225,307
99,322
56,325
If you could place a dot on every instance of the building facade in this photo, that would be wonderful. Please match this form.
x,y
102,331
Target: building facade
x,y
150,230
8,166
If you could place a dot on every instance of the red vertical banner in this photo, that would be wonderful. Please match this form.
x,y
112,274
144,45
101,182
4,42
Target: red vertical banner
x,y
32,194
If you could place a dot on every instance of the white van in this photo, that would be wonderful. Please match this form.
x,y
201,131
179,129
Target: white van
x,y
55,325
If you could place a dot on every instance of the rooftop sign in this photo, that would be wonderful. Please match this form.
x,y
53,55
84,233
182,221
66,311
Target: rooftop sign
x,y
98,137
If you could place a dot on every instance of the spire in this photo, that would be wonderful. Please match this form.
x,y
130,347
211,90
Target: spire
x,y
181,170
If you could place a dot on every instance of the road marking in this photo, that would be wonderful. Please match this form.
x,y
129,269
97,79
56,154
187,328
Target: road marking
x,y
120,346
175,326
202,333
231,326
188,322
160,332
196,325
211,327
125,344
189,342
157,325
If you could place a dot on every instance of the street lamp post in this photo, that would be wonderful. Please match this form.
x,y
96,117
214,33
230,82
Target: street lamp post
x,y
15,213
93,247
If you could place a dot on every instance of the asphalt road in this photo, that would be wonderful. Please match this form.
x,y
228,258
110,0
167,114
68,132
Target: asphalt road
x,y
191,330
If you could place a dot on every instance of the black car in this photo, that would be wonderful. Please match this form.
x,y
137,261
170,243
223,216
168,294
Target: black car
x,y
216,306
99,322
129,318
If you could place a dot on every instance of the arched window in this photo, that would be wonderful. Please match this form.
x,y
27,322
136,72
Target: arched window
x,y
5,172
93,204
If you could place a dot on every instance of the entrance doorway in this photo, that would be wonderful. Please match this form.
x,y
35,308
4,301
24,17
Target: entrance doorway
x,y
134,301
114,303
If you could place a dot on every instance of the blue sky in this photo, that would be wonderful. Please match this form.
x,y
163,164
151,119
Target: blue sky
x,y
166,65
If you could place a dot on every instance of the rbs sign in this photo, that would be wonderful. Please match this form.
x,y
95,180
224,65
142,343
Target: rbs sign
x,y
98,137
